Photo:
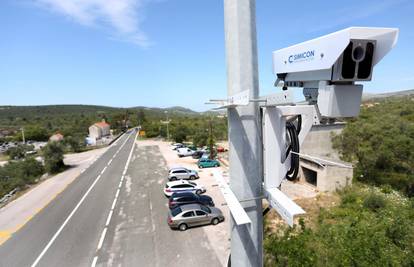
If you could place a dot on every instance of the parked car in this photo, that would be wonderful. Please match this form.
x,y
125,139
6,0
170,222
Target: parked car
x,y
179,199
191,215
192,147
197,154
206,163
184,152
177,146
183,186
182,173
221,149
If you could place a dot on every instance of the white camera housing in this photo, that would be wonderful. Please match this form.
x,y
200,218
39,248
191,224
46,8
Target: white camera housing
x,y
333,63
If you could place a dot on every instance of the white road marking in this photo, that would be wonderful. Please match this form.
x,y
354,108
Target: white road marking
x,y
113,204
104,169
64,223
108,220
101,240
94,261
45,249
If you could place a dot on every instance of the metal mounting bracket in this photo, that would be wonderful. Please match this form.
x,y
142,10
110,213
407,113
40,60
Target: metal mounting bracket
x,y
237,211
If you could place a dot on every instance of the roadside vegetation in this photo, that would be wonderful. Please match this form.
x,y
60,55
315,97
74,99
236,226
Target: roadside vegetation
x,y
25,170
381,144
370,227
372,224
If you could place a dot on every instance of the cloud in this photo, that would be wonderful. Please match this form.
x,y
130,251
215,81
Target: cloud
x,y
122,17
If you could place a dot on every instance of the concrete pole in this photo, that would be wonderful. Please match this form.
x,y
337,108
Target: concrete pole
x,y
244,130
23,138
168,122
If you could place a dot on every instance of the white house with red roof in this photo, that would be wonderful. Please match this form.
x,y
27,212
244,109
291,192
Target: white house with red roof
x,y
57,137
99,130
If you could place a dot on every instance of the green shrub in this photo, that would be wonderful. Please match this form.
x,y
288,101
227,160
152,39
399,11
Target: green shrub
x,y
381,143
19,152
365,230
374,202
19,174
53,156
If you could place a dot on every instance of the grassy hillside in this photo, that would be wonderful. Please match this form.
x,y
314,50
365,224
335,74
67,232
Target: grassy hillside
x,y
381,144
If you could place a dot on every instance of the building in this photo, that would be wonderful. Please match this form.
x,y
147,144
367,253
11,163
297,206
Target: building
x,y
99,130
57,137
324,169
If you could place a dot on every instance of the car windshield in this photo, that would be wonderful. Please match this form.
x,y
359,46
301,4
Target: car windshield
x,y
176,211
192,183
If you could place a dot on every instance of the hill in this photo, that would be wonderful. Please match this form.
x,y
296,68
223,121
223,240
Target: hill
x,y
370,97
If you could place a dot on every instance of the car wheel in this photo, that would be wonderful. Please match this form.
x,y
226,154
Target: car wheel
x,y
215,221
198,192
192,177
183,227
216,165
200,166
173,179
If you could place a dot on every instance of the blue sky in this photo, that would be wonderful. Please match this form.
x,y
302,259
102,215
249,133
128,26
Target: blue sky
x,y
163,53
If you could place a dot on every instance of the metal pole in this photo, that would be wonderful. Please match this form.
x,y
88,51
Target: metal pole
x,y
245,154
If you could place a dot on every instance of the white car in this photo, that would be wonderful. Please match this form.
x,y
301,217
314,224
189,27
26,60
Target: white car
x,y
182,173
183,186
176,146
184,152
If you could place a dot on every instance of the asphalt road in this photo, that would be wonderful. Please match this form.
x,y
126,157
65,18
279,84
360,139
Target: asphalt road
x,y
110,216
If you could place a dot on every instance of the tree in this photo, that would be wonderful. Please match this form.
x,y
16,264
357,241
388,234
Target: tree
x,y
180,133
18,174
53,156
141,117
36,133
381,143
19,152
73,143
200,139
211,140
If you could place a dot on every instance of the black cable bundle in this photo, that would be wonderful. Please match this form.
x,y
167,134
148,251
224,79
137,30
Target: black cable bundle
x,y
293,133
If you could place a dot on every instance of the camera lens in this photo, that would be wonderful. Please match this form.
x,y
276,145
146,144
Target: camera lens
x,y
358,53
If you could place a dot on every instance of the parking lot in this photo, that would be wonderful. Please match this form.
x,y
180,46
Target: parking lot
x,y
217,236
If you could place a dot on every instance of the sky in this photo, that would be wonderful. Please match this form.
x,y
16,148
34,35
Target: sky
x,y
162,53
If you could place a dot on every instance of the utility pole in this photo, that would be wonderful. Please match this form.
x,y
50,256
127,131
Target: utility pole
x,y
23,138
168,122
245,153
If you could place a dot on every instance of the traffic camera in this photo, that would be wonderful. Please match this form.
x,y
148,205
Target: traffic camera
x,y
328,67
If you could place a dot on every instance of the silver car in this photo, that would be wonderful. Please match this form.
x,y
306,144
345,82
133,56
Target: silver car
x,y
182,173
190,215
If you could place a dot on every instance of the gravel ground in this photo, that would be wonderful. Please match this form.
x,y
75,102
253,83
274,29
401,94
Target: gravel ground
x,y
218,236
